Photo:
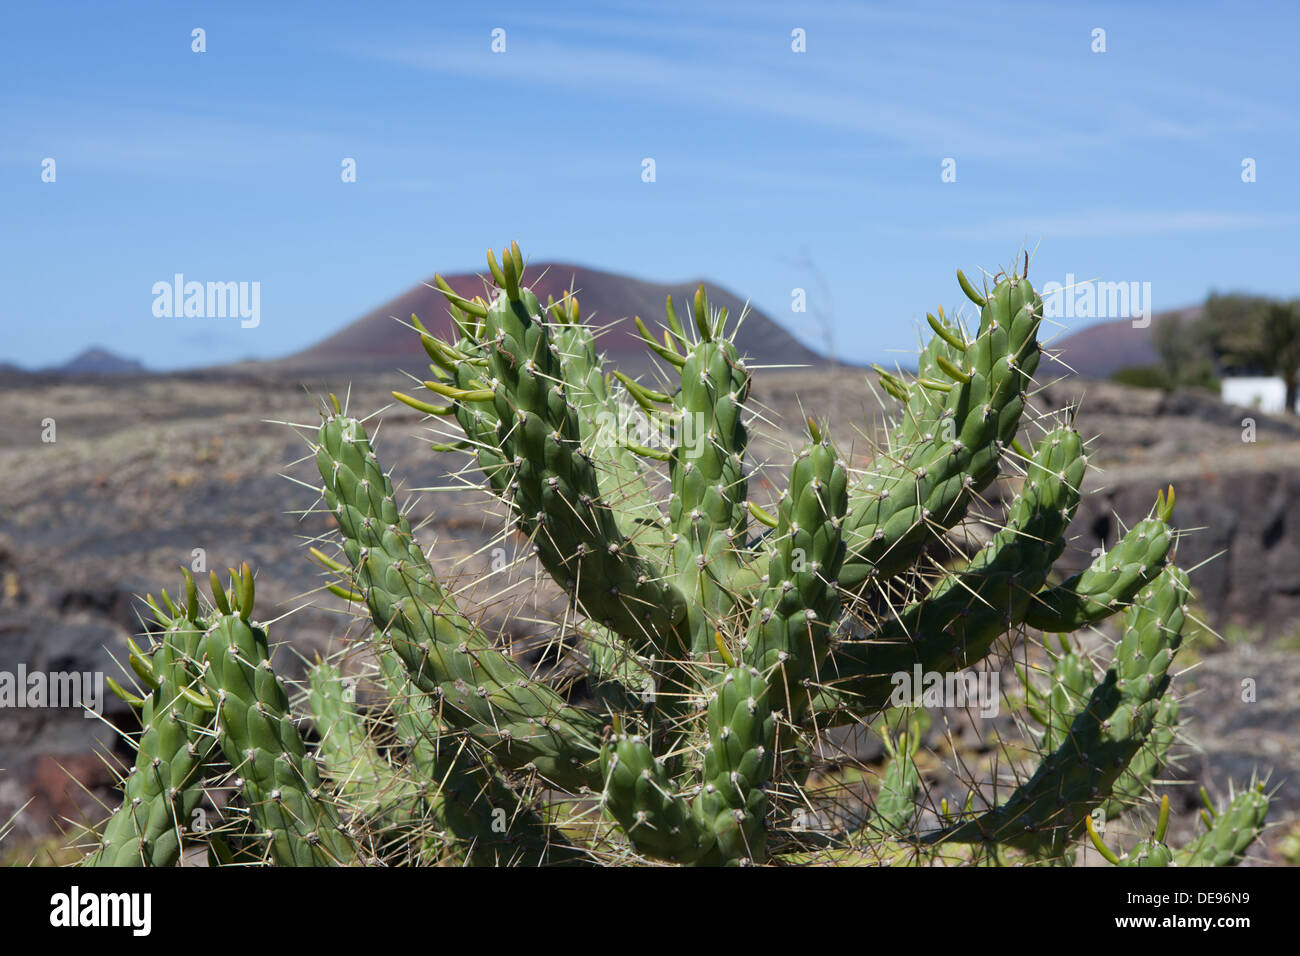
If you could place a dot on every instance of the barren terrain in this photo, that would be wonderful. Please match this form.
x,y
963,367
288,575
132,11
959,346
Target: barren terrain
x,y
146,472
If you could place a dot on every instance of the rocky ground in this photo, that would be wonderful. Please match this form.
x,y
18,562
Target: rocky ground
x,y
149,473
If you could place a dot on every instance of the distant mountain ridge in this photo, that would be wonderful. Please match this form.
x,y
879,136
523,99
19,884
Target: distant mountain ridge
x,y
99,361
93,362
1101,349
609,300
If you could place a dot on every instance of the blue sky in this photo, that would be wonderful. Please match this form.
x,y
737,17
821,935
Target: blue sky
x,y
774,169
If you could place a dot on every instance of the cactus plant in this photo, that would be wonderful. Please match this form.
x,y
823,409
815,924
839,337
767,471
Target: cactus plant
x,y
721,641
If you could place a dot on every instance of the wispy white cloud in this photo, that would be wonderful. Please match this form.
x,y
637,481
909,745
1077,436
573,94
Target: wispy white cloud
x,y
693,78
890,77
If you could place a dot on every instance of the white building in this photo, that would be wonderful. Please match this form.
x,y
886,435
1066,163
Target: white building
x,y
1267,395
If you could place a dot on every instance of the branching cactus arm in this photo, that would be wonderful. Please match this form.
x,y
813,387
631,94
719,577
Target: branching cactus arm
x,y
788,637
954,626
280,783
1080,774
521,721
164,788
727,822
553,483
946,450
